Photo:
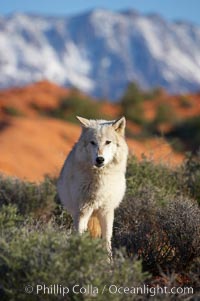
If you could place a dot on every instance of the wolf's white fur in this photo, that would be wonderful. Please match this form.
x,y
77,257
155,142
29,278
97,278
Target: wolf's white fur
x,y
85,188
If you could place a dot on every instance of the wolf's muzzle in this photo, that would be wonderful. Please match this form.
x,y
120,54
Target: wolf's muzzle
x,y
100,161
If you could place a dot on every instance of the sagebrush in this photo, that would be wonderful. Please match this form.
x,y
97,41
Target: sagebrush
x,y
156,233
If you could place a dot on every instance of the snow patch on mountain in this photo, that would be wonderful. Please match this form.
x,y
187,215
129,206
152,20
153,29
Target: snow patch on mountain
x,y
100,51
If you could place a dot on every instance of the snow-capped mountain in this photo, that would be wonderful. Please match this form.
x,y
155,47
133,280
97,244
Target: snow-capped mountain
x,y
100,51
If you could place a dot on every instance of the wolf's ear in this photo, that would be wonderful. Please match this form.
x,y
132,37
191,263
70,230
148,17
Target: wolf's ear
x,y
119,125
85,122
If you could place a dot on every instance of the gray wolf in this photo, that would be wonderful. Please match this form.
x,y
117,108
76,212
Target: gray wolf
x,y
92,181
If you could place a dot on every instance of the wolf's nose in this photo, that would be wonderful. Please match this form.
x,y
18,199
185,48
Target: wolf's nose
x,y
100,160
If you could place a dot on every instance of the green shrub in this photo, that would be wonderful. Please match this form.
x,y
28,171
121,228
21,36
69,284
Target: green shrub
x,y
48,255
164,114
12,111
185,102
132,104
180,220
158,220
193,272
165,237
157,226
154,93
177,145
9,218
188,132
148,175
28,197
61,217
189,176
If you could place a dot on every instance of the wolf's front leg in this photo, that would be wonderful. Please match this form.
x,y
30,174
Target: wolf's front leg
x,y
81,220
106,219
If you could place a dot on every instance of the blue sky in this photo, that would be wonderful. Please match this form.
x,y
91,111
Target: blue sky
x,y
170,9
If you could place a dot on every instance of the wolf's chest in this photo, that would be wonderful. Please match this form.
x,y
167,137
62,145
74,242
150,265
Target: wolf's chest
x,y
99,192
92,188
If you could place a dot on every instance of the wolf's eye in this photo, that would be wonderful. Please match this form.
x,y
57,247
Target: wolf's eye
x,y
92,142
108,142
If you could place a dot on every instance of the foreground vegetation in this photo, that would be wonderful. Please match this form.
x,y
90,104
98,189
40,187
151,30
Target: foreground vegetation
x,y
156,237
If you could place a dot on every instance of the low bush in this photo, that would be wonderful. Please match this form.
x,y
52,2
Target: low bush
x,y
164,114
156,231
154,93
26,196
185,102
9,218
159,219
154,177
189,176
12,111
188,133
38,254
165,237
132,104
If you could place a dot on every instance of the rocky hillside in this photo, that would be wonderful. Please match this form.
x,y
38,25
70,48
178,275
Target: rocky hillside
x,y
34,142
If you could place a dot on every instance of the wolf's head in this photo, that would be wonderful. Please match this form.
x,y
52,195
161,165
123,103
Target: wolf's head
x,y
101,140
